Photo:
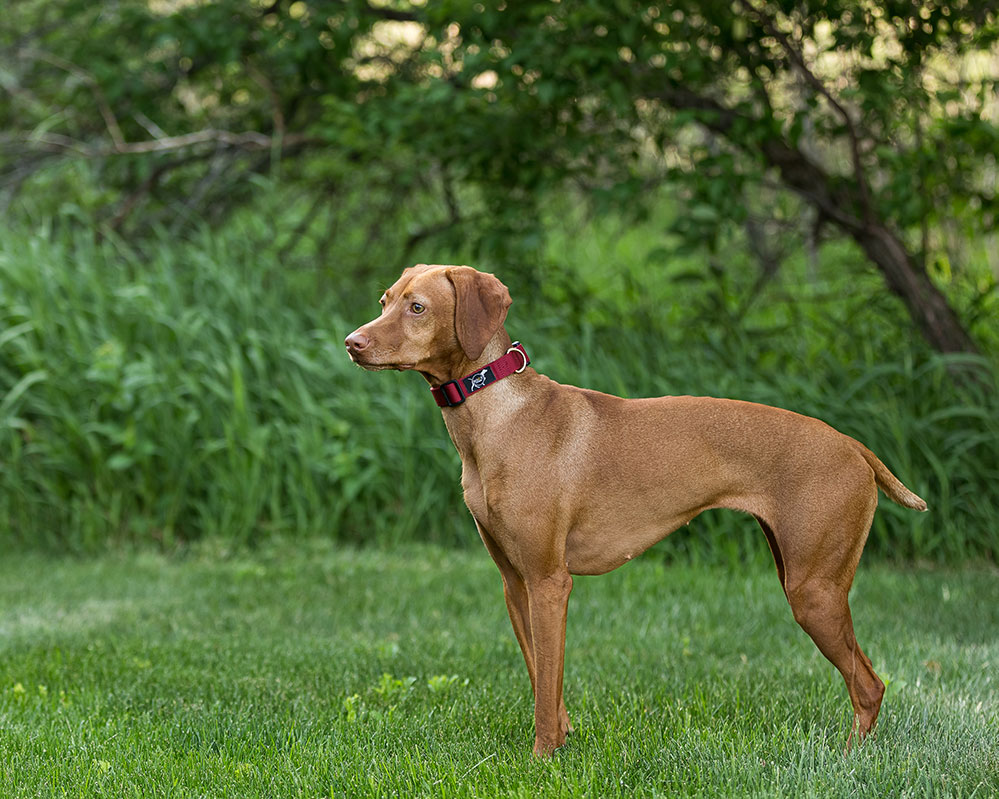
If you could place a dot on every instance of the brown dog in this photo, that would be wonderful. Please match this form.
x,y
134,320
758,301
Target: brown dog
x,y
562,480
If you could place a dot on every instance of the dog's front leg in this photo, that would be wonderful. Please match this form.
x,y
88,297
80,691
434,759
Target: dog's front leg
x,y
548,600
517,605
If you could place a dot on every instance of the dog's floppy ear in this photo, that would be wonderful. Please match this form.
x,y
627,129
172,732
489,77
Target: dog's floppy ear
x,y
479,308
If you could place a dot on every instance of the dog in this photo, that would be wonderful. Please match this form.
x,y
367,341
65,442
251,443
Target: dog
x,y
562,480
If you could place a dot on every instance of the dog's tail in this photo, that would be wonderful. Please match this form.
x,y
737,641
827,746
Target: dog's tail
x,y
889,483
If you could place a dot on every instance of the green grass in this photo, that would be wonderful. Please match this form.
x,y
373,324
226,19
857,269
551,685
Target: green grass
x,y
316,671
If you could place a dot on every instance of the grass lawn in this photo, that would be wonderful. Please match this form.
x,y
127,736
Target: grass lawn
x,y
323,672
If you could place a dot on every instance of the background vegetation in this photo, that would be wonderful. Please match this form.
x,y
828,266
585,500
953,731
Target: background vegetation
x,y
793,204
199,388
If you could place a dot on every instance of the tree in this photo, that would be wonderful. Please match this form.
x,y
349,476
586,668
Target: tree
x,y
879,117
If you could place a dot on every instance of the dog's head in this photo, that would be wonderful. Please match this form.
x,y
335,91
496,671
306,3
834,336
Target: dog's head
x,y
433,318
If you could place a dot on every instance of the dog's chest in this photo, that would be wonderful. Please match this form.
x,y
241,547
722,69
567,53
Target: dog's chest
x,y
487,488
471,484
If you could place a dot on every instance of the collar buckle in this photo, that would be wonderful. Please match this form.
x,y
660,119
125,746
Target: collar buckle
x,y
449,394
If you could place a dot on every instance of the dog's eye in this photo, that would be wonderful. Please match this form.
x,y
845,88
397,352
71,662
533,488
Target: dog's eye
x,y
417,308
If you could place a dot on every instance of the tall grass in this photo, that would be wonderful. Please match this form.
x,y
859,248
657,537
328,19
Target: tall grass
x,y
199,389
186,395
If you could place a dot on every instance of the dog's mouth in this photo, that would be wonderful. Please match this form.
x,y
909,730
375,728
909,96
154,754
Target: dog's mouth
x,y
375,366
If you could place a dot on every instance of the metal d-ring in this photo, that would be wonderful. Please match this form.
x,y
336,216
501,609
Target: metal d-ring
x,y
522,355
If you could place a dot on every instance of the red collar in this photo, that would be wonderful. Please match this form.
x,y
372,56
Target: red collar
x,y
455,392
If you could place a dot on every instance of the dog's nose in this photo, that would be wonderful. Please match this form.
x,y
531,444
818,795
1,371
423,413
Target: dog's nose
x,y
356,341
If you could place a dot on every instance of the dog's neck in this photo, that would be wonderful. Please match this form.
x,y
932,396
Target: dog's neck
x,y
486,413
459,364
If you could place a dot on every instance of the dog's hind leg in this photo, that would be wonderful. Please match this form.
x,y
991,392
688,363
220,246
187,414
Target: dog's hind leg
x,y
819,563
822,610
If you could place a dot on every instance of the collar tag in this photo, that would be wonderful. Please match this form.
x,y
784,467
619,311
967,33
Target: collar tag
x,y
478,380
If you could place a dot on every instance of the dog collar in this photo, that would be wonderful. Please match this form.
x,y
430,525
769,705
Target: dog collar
x,y
455,392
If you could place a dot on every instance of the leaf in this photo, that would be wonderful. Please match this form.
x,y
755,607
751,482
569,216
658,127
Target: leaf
x,y
688,276
703,213
19,388
120,461
13,332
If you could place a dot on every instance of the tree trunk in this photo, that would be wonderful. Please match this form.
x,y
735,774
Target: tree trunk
x,y
927,305
843,204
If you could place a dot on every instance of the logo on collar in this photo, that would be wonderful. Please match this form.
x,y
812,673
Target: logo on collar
x,y
479,380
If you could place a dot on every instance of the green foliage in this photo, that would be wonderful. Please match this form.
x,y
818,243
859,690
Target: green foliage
x,y
490,106
185,393
311,671
199,389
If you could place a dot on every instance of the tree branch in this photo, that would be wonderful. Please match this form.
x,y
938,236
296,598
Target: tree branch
x,y
813,80
247,140
384,12
797,170
302,227
265,83
147,186
110,120
927,305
